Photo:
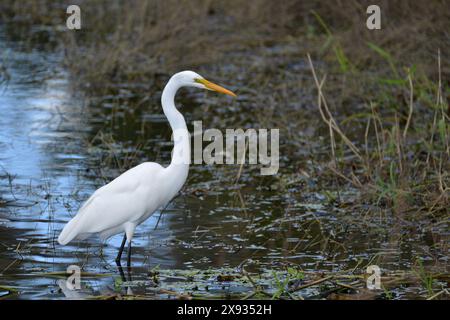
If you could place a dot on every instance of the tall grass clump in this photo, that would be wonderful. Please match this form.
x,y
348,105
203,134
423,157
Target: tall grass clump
x,y
401,159
151,37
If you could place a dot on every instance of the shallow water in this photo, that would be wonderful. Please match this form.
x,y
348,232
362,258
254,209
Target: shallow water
x,y
51,161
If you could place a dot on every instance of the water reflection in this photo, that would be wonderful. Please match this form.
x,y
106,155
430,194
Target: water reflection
x,y
56,149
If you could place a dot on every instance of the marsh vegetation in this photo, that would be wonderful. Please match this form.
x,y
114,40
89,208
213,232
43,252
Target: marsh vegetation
x,y
364,158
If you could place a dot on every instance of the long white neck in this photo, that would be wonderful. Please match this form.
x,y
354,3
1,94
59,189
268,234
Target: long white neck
x,y
181,155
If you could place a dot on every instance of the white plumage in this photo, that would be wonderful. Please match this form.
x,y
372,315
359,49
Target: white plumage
x,y
103,212
124,203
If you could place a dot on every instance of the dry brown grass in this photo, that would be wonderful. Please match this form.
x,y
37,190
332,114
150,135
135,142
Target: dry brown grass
x,y
393,165
388,138
154,36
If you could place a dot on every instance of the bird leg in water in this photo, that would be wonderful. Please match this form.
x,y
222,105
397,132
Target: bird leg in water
x,y
122,274
129,255
119,255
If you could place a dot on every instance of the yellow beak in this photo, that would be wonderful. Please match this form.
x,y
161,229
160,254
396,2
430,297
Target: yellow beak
x,y
214,87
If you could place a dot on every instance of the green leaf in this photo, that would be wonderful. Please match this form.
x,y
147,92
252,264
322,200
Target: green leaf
x,y
322,23
442,127
392,82
342,59
384,54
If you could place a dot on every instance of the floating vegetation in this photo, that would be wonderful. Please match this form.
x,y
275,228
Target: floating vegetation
x,y
291,283
364,169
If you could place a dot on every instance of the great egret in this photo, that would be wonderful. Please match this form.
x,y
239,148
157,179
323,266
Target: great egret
x,y
127,201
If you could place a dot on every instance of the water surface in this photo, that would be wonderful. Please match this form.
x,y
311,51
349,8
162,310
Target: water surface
x,y
57,147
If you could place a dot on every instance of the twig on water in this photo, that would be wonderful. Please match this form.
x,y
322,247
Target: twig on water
x,y
310,284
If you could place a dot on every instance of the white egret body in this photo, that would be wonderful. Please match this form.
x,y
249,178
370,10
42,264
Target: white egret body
x,y
124,203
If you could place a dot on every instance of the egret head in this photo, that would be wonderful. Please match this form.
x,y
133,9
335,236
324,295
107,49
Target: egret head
x,y
192,79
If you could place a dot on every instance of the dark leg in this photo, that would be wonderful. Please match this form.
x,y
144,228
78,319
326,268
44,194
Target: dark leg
x,y
119,255
122,275
129,255
129,274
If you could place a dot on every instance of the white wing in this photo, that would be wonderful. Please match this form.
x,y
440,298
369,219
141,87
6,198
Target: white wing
x,y
126,199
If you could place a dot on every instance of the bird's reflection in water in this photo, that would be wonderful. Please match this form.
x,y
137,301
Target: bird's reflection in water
x,y
81,293
70,293
124,279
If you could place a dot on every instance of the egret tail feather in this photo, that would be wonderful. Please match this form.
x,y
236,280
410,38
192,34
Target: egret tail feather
x,y
69,232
